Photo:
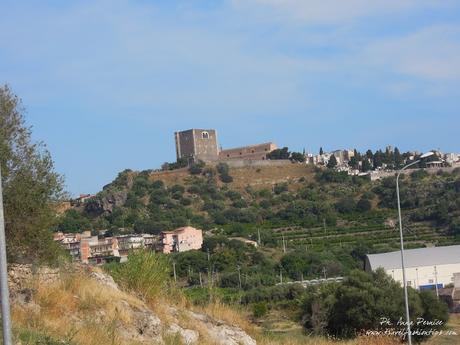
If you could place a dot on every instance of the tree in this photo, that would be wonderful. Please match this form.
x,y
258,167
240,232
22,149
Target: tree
x,y
297,157
279,154
73,221
366,165
30,185
363,205
353,162
332,162
196,168
398,159
378,159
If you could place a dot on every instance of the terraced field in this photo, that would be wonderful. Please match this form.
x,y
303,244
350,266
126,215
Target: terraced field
x,y
374,231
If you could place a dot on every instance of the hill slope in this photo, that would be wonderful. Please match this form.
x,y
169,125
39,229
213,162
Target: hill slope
x,y
320,209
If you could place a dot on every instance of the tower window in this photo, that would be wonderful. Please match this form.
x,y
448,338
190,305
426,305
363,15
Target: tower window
x,y
204,135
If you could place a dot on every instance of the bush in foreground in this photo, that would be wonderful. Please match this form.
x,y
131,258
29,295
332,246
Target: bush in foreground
x,y
145,273
369,302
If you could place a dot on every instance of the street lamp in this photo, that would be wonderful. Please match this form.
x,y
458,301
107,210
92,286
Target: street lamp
x,y
425,155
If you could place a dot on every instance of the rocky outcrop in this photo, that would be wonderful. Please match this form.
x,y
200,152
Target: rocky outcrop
x,y
222,333
188,336
20,276
145,327
105,204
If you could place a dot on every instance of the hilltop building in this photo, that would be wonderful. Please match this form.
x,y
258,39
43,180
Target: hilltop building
x,y
426,268
253,152
202,144
197,144
181,240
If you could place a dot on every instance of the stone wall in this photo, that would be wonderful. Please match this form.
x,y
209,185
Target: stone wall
x,y
242,163
251,152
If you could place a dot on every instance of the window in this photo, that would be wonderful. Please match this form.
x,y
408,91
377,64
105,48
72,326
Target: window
x,y
431,281
205,135
409,283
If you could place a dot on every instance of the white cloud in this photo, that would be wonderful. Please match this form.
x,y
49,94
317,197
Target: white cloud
x,y
333,11
432,54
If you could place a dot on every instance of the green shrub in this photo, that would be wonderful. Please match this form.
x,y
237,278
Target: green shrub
x,y
145,273
363,205
225,178
259,310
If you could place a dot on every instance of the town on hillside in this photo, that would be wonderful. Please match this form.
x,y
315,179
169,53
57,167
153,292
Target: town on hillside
x,y
258,172
196,145
428,268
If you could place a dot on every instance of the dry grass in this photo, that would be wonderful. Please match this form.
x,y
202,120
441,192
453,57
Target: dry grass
x,y
79,310
76,308
257,177
229,315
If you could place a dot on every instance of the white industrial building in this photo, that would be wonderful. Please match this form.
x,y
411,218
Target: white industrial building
x,y
425,267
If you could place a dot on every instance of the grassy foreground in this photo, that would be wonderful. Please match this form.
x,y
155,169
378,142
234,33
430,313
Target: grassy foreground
x,y
76,309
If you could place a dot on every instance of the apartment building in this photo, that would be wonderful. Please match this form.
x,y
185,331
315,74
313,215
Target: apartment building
x,y
180,240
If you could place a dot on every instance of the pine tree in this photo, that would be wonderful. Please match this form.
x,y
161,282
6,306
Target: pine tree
x,y
332,162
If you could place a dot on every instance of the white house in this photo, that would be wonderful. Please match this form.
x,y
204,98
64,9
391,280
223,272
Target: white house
x,y
425,267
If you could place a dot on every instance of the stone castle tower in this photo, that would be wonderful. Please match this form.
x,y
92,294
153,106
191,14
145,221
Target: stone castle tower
x,y
197,144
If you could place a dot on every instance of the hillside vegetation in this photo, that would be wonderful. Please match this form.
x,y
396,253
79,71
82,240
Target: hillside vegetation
x,y
316,209
76,305
320,223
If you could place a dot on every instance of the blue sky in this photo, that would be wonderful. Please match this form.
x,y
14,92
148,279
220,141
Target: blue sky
x,y
106,83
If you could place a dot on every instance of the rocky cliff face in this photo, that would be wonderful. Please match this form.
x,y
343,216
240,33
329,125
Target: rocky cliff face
x,y
106,203
95,297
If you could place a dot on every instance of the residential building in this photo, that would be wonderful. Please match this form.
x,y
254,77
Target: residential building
x,y
70,242
81,199
96,250
426,268
451,158
127,243
181,240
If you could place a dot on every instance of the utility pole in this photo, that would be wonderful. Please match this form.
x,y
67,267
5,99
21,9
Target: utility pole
x,y
174,269
239,276
324,272
4,293
436,281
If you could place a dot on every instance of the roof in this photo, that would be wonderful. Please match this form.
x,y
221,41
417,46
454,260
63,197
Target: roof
x,y
416,257
182,229
248,146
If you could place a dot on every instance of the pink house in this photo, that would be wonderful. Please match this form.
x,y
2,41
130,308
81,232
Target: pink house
x,y
181,240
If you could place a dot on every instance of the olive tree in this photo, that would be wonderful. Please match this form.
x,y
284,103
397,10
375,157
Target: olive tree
x,y
30,185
